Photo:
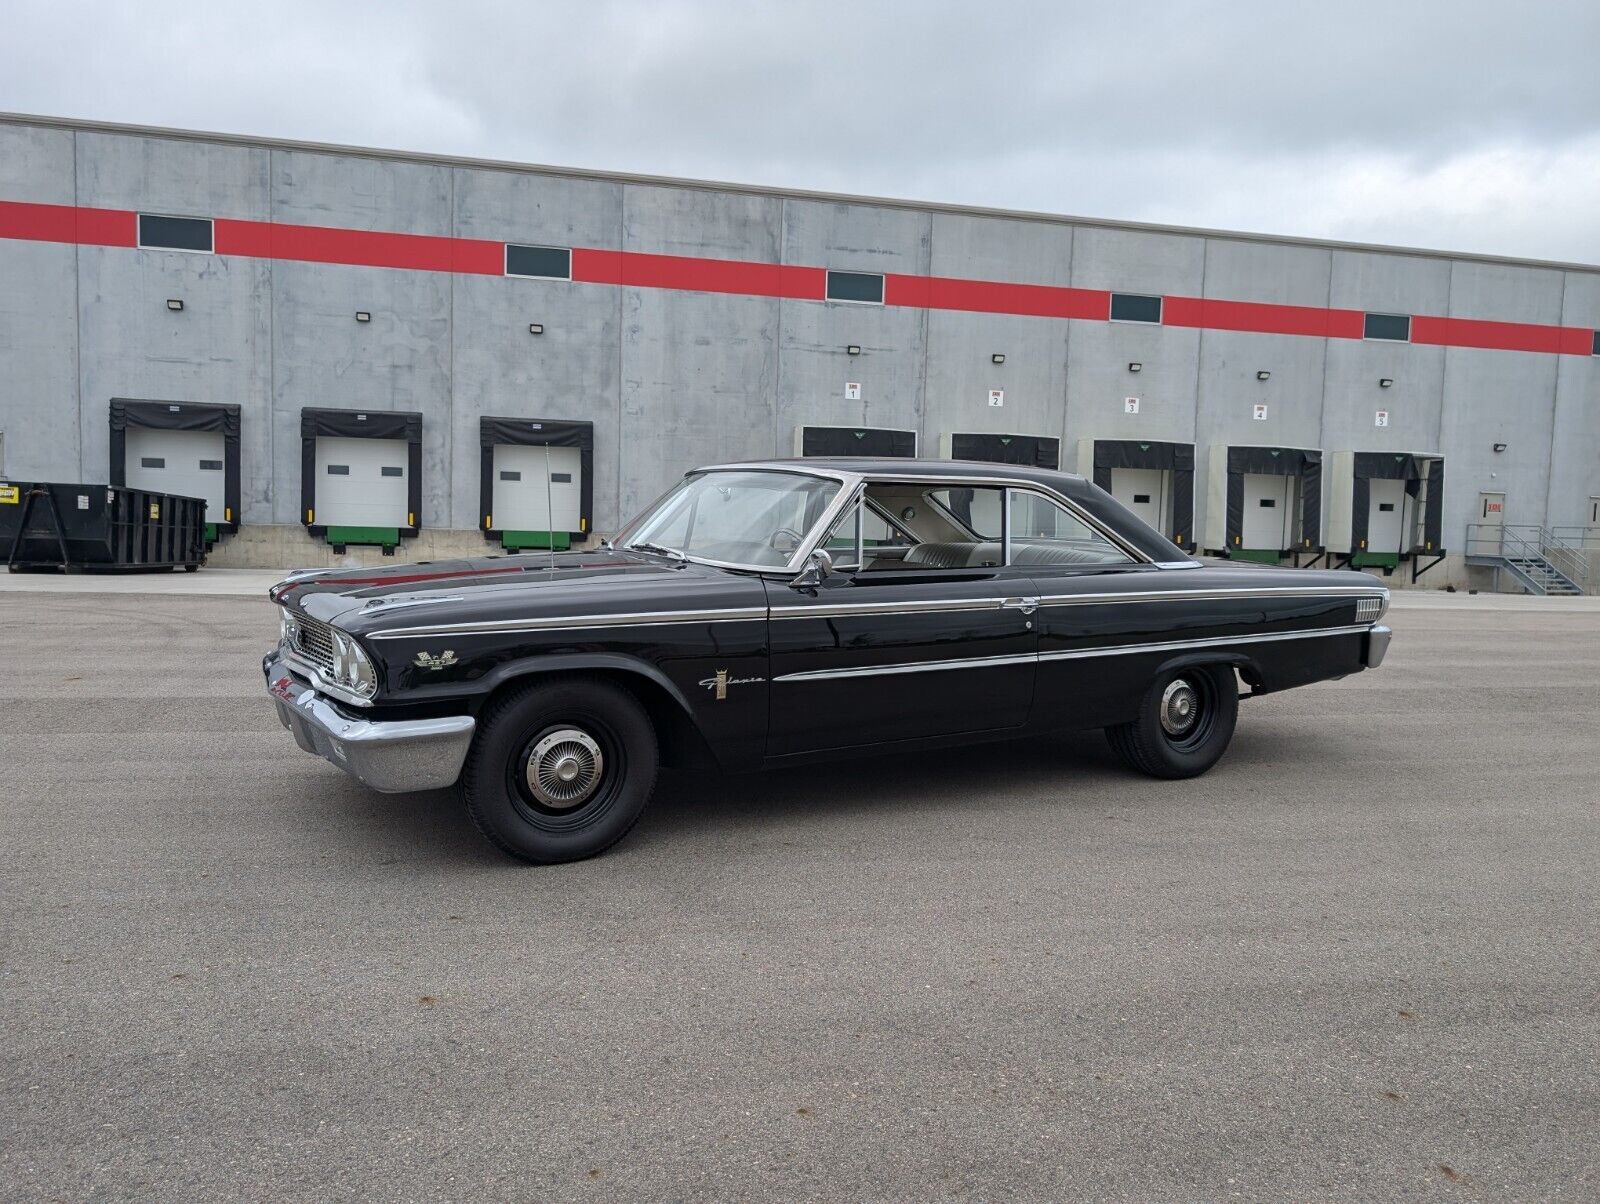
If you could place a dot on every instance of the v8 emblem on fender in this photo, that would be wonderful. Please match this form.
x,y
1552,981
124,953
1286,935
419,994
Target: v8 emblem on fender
x,y
426,660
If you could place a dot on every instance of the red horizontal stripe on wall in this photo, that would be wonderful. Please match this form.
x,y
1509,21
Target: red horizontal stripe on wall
x,y
359,248
1501,336
997,297
734,276
1262,318
30,221
68,223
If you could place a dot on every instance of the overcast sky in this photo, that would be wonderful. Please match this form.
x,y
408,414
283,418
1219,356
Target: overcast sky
x,y
1460,125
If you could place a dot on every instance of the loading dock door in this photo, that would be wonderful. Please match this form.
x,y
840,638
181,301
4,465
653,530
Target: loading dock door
x,y
1268,512
1386,516
533,493
184,463
362,482
1145,491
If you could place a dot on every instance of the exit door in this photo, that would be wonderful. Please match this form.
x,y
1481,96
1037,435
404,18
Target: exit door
x,y
1144,491
1491,520
1591,528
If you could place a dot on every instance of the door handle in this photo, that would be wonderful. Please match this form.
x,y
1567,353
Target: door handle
x,y
1026,605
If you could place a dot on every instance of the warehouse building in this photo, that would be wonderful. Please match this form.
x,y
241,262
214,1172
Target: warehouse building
x,y
345,349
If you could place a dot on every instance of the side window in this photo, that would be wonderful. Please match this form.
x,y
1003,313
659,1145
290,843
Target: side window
x,y
976,509
880,540
1043,532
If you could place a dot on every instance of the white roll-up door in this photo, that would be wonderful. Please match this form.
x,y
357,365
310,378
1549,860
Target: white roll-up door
x,y
1386,514
1144,491
1268,510
183,463
537,488
362,482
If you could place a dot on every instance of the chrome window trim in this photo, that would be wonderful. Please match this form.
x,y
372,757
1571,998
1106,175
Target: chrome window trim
x,y
742,614
984,662
1088,520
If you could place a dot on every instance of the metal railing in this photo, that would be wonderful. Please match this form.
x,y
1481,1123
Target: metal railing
x,y
1531,555
1575,552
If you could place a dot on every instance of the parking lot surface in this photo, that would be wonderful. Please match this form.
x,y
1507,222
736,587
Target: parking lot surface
x,y
1357,960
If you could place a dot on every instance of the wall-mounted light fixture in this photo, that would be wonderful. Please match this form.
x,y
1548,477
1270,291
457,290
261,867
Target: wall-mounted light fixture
x,y
535,327
853,349
997,358
1499,447
1135,367
1384,382
174,304
363,316
1263,375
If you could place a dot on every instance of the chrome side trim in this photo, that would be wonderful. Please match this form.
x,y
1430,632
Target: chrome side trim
x,y
1202,642
1212,595
975,662
985,662
845,610
570,622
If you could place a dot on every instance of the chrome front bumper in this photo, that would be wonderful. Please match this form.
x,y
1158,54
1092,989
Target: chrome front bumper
x,y
395,757
1377,647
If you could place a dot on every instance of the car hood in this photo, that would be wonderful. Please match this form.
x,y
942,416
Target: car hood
x,y
601,581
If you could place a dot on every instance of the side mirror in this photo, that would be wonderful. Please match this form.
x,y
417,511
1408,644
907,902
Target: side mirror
x,y
819,567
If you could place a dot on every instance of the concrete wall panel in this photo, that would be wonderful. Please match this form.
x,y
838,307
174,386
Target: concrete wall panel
x,y
39,361
216,350
357,193
166,175
1575,434
398,361
37,165
539,210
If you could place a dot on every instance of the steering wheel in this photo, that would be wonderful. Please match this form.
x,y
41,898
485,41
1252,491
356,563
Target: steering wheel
x,y
793,540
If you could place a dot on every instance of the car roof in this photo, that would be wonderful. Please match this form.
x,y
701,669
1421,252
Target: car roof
x,y
901,466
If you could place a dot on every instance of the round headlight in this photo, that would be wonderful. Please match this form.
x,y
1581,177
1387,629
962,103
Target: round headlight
x,y
352,668
288,629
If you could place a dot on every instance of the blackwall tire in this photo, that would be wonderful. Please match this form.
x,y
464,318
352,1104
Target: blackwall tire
x,y
560,770
1185,723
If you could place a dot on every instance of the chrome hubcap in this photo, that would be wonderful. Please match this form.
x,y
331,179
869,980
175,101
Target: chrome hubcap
x,y
1179,708
564,769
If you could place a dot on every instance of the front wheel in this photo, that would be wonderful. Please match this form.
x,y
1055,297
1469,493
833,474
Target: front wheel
x,y
1185,722
560,770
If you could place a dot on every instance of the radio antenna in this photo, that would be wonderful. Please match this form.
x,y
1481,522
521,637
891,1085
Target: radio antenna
x,y
549,509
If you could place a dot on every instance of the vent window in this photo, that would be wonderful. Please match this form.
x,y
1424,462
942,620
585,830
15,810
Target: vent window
x,y
175,233
1391,328
1135,307
865,288
540,263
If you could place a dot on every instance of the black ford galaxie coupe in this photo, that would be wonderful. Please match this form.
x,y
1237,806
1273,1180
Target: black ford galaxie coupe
x,y
761,614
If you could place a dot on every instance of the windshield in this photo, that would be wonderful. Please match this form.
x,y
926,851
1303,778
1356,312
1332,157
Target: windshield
x,y
754,518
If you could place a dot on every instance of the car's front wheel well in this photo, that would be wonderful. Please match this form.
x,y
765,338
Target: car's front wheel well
x,y
680,742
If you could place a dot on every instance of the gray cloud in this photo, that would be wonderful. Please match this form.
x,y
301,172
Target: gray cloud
x,y
1473,126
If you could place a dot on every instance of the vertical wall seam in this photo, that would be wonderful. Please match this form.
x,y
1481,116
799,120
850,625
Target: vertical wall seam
x,y
1555,413
77,311
1322,398
272,358
1062,462
622,344
922,383
450,391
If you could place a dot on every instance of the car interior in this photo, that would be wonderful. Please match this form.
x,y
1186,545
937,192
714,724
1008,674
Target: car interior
x,y
906,527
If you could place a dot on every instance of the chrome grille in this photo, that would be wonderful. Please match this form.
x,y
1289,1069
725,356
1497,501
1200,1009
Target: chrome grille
x,y
1369,610
314,641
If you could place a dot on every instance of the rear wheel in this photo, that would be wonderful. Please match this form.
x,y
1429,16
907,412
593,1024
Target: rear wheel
x,y
560,770
1185,722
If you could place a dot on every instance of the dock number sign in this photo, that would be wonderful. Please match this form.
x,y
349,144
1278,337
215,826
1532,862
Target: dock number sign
x,y
1260,414
1130,405
997,398
852,390
1381,418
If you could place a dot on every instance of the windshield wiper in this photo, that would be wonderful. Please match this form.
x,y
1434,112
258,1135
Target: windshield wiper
x,y
673,553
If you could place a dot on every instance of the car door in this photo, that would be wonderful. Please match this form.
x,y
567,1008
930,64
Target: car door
x,y
908,639
1081,576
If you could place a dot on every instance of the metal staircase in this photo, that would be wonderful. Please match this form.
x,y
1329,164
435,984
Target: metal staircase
x,y
1529,555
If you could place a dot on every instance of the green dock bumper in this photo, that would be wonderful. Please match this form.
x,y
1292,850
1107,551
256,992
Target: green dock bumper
x,y
211,534
1375,560
376,537
515,541
1256,555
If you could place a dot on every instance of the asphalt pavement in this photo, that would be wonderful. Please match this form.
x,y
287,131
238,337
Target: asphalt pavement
x,y
1358,960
